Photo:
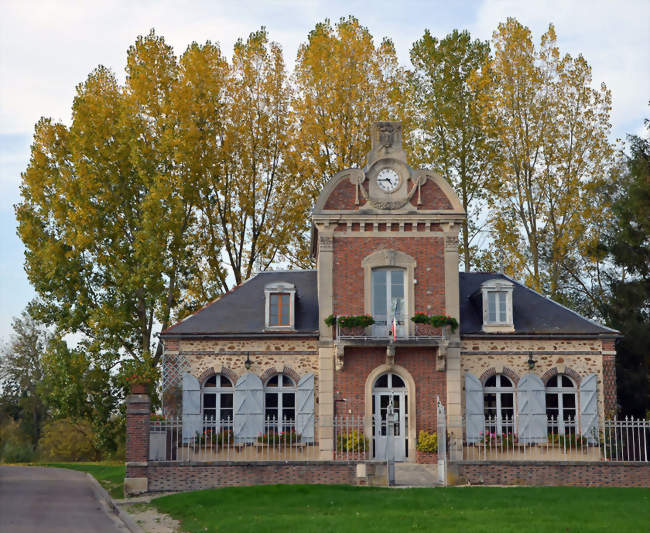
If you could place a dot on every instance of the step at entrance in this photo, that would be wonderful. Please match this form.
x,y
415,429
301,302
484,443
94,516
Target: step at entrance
x,y
416,475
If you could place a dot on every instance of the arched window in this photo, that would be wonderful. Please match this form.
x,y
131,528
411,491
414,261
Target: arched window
x,y
561,404
499,404
280,403
217,399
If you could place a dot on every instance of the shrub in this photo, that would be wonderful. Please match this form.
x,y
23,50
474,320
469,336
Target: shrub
x,y
13,452
68,440
427,442
15,445
353,441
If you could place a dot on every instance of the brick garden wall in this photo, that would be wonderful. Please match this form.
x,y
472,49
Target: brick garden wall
x,y
553,474
181,477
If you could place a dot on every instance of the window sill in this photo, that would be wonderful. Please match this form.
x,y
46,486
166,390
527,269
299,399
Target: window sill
x,y
498,328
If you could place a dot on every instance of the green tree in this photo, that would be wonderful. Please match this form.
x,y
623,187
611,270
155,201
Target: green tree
x,y
628,308
447,114
344,82
551,128
21,374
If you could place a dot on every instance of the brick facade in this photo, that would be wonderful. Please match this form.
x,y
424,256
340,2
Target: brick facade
x,y
553,474
348,273
349,383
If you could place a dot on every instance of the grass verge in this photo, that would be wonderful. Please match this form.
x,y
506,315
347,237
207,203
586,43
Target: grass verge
x,y
311,508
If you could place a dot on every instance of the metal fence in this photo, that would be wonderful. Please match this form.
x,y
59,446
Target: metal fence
x,y
279,441
611,440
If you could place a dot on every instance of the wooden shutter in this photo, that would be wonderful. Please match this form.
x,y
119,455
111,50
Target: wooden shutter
x,y
474,414
305,408
589,407
192,423
531,401
249,408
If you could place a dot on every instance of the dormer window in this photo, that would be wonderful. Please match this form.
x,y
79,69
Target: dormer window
x,y
497,306
280,305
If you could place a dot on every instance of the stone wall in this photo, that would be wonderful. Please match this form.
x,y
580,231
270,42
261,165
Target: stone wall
x,y
577,358
299,356
552,474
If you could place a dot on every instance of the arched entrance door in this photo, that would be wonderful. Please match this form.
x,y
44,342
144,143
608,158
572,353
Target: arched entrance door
x,y
389,387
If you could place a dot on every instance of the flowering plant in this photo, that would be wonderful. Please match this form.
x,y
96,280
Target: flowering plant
x,y
351,321
505,440
155,417
285,437
570,440
215,438
352,441
437,321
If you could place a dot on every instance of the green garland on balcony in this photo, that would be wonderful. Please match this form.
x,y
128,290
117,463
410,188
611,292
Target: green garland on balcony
x,y
437,321
351,321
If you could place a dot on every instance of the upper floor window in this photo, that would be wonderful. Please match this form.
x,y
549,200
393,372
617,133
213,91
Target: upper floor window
x,y
388,301
280,305
497,305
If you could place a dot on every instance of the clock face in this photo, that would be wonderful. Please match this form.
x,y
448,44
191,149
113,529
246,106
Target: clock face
x,y
388,180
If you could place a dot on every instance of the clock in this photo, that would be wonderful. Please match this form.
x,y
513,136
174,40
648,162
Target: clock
x,y
387,180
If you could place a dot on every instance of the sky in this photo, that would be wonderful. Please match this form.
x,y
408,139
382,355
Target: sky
x,y
48,47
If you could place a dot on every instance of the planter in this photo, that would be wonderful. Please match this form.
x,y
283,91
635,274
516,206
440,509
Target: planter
x,y
427,330
139,388
427,458
356,331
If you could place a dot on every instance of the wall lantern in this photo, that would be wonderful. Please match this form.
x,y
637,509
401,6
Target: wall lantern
x,y
531,361
248,361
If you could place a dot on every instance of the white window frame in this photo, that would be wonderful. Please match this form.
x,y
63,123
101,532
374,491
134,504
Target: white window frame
x,y
278,288
278,425
560,391
217,391
500,288
498,390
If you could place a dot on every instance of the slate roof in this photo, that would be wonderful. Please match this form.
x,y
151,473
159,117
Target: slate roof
x,y
533,314
240,312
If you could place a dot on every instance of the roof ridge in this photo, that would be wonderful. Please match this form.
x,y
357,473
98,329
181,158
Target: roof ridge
x,y
559,304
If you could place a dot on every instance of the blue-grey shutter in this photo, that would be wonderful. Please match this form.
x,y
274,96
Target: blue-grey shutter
x,y
249,408
305,408
531,402
192,423
474,414
589,407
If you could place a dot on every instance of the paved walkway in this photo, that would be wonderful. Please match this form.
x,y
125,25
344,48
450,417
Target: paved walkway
x,y
39,499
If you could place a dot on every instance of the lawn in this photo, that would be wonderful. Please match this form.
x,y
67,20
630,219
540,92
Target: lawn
x,y
308,508
109,474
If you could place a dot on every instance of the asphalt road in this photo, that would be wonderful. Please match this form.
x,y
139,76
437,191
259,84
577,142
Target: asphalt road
x,y
37,499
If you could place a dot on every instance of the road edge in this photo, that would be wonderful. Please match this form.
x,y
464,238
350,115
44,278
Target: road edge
x,y
103,496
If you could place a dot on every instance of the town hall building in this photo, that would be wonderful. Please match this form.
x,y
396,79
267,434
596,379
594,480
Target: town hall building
x,y
385,243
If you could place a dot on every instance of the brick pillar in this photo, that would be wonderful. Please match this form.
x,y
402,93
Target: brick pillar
x,y
138,411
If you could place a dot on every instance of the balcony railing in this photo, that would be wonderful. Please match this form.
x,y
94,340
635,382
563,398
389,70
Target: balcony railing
x,y
406,332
